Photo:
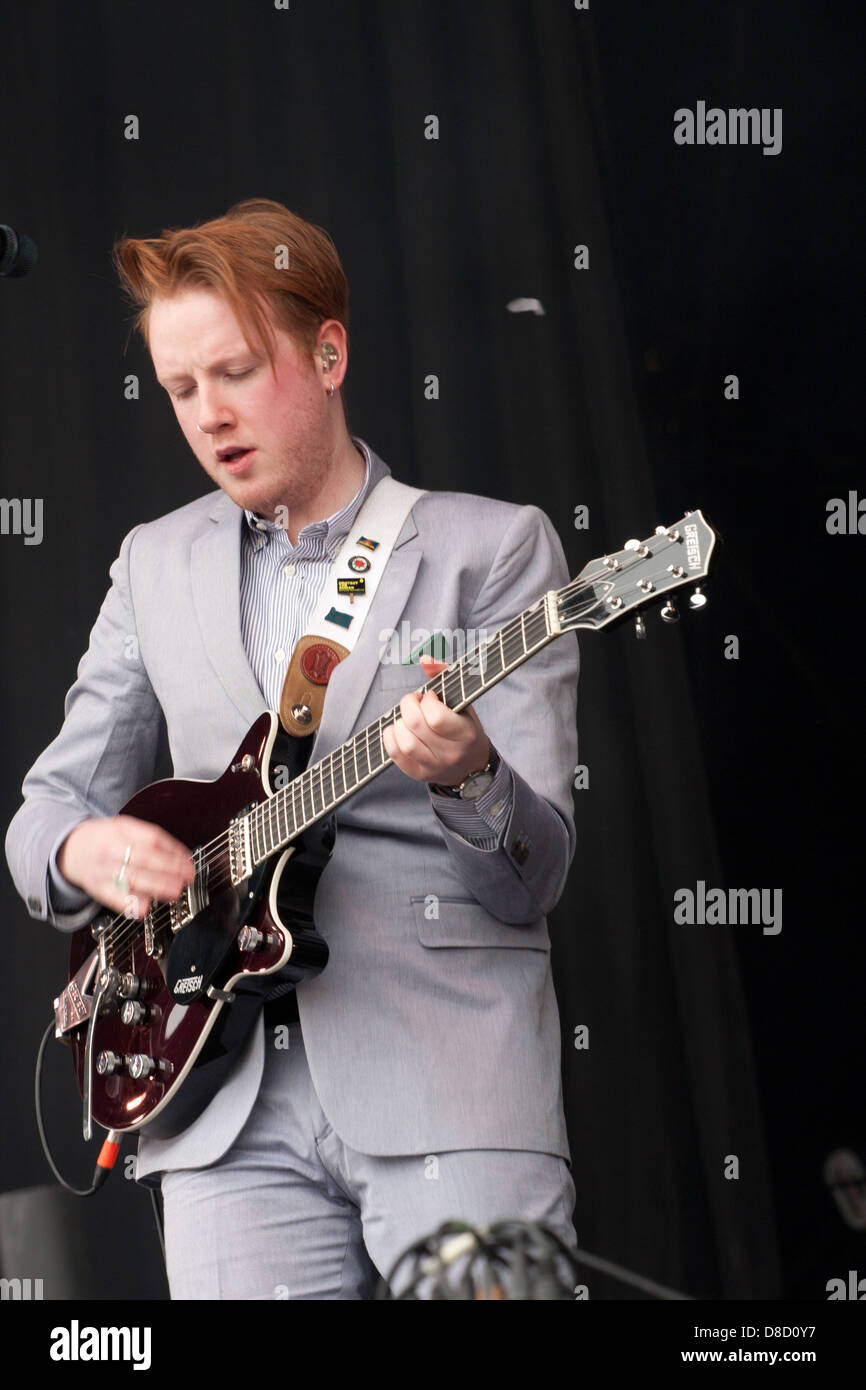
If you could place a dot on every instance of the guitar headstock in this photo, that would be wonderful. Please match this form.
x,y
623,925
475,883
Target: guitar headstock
x,y
609,588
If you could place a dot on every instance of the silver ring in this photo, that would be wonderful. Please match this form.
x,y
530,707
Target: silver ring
x,y
120,880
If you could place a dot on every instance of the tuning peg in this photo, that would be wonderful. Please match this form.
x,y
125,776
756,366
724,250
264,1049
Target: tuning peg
x,y
697,599
639,627
669,613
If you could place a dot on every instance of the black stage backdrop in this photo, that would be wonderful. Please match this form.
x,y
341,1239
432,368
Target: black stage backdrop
x,y
721,1060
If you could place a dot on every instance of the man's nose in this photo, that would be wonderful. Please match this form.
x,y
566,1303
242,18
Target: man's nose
x,y
213,412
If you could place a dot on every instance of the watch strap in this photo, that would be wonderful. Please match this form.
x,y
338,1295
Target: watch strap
x,y
457,792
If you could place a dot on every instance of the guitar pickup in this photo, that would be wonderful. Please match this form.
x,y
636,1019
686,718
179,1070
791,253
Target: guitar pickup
x,y
194,898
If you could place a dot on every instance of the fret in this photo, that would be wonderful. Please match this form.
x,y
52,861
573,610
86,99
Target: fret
x,y
372,745
343,769
523,630
462,686
307,814
296,818
365,754
473,669
355,759
258,847
284,828
331,770
538,620
322,785
502,652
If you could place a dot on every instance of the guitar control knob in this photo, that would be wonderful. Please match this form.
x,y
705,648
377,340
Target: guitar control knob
x,y
108,1062
250,939
669,613
129,987
639,627
133,1014
141,1066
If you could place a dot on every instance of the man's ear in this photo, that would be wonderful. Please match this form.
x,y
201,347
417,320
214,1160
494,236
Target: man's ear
x,y
331,355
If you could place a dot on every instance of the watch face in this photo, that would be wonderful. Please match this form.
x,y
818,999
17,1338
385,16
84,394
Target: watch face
x,y
476,786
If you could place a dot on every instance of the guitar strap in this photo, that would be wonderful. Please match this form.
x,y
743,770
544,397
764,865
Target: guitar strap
x,y
358,566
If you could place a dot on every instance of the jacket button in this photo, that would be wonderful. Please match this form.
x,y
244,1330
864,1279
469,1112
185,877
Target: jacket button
x,y
34,903
520,851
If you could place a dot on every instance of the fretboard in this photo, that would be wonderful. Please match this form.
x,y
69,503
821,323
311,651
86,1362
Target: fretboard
x,y
318,790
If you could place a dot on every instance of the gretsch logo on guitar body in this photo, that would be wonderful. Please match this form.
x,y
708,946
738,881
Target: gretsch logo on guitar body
x,y
190,985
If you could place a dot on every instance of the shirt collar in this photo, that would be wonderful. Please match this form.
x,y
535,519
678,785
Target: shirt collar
x,y
333,528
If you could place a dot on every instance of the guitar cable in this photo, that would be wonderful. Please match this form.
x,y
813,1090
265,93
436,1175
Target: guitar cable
x,y
107,1154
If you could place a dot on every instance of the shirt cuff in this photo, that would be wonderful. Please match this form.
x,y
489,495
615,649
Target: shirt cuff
x,y
482,821
65,896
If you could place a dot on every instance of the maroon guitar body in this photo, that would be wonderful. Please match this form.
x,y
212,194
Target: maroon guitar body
x,y
181,989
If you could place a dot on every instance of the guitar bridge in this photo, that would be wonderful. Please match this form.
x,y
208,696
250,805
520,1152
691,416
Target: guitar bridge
x,y
240,854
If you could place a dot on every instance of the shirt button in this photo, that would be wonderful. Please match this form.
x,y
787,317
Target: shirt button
x,y
289,569
279,654
494,810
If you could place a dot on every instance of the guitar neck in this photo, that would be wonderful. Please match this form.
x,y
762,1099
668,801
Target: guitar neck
x,y
274,823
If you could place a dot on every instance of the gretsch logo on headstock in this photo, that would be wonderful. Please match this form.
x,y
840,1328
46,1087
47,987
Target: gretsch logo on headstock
x,y
693,546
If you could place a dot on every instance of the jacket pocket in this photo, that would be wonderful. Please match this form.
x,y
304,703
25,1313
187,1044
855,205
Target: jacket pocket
x,y
464,922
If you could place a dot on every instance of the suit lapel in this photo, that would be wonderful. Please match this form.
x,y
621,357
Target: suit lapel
x,y
215,568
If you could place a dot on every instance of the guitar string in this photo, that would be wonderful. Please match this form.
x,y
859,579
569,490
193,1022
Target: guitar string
x,y
215,851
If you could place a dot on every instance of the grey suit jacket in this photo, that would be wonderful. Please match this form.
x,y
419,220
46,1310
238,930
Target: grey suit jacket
x,y
435,1024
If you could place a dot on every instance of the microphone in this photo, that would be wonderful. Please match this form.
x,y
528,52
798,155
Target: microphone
x,y
18,254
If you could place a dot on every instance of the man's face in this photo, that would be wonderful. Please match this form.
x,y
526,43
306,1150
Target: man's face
x,y
226,397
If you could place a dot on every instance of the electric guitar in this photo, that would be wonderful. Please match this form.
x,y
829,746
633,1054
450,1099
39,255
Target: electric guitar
x,y
157,1007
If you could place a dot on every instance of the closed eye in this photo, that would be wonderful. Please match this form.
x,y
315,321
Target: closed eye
x,y
182,395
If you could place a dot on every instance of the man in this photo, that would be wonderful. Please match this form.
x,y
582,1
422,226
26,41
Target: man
x,y
422,1077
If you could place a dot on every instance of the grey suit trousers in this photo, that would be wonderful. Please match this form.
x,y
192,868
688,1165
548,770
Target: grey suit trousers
x,y
291,1212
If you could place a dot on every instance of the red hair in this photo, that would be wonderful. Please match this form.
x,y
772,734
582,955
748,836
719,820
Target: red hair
x,y
257,253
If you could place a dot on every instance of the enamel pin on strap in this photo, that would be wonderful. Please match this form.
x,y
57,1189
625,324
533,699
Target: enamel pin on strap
x,y
365,553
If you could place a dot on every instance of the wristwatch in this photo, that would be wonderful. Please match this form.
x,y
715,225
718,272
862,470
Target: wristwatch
x,y
473,786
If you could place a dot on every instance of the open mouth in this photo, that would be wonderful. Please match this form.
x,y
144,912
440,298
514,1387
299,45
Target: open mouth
x,y
234,458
